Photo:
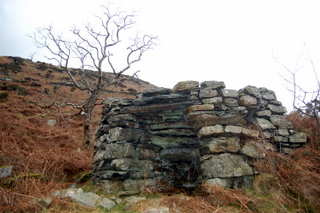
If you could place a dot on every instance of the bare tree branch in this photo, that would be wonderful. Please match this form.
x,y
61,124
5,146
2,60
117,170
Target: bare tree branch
x,y
93,46
305,102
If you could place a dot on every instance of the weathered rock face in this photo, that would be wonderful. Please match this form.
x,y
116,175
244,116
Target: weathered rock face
x,y
188,136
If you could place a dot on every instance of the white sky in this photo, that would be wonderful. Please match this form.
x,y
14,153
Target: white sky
x,y
230,40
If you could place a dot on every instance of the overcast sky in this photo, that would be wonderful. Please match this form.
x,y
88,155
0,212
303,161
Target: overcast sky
x,y
231,40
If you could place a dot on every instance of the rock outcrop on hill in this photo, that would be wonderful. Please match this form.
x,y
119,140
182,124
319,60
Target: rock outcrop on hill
x,y
189,136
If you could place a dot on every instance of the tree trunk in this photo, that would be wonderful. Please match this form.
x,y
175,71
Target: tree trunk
x,y
87,126
87,122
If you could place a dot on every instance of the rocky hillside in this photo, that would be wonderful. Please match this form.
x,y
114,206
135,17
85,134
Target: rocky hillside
x,y
46,76
40,138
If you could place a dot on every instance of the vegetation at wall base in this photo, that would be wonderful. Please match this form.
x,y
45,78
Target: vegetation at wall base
x,y
47,158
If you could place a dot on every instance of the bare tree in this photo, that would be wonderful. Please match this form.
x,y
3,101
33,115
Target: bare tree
x,y
302,97
306,101
94,47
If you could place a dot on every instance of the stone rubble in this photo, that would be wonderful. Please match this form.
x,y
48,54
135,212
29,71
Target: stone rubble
x,y
88,199
189,136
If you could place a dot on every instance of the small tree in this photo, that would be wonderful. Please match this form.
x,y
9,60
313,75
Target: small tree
x,y
93,47
305,101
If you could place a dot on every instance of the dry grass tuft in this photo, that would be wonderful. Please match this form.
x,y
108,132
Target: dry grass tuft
x,y
290,181
299,175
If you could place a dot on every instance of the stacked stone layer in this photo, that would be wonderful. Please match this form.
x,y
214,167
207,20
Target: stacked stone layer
x,y
188,136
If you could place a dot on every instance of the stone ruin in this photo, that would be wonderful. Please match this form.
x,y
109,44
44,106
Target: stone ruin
x,y
189,136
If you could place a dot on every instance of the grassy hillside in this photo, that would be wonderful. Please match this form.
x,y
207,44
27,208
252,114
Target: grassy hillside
x,y
45,158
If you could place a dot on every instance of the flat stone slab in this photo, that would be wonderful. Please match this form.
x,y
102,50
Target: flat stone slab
x,y
121,150
185,86
210,130
156,91
230,93
265,124
219,145
251,90
298,137
225,165
213,84
203,107
208,93
248,100
87,199
253,150
277,109
281,122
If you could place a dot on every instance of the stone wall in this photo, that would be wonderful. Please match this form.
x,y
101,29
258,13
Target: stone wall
x,y
188,136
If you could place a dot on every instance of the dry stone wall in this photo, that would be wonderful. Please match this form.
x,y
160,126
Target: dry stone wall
x,y
188,136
